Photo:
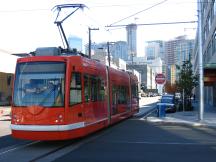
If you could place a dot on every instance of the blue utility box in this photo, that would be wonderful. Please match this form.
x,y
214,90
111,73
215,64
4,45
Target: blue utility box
x,y
161,110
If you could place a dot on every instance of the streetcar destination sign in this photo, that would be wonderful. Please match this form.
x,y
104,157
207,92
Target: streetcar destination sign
x,y
160,78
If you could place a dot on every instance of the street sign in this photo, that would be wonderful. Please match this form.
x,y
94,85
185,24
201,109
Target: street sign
x,y
160,78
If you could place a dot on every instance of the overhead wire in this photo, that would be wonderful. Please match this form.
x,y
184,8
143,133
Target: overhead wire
x,y
139,12
22,10
100,5
161,23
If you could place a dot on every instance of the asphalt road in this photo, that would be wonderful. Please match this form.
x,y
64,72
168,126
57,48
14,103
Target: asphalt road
x,y
135,140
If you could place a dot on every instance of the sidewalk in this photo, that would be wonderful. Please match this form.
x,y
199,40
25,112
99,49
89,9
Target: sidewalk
x,y
189,117
5,112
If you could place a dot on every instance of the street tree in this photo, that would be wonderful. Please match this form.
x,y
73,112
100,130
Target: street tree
x,y
170,88
186,82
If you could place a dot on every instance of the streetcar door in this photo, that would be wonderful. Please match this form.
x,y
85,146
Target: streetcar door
x,y
75,112
114,99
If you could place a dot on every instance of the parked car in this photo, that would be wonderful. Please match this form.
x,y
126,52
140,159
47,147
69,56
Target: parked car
x,y
178,96
143,94
168,96
168,101
150,94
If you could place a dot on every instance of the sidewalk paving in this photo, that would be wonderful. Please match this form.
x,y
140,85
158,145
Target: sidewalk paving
x,y
189,117
5,112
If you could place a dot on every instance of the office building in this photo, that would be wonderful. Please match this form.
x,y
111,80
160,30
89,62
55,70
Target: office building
x,y
132,40
119,50
177,51
154,49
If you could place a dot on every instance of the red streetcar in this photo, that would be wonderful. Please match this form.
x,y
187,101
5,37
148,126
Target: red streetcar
x,y
57,96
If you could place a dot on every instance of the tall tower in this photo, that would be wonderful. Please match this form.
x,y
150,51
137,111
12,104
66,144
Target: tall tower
x,y
132,40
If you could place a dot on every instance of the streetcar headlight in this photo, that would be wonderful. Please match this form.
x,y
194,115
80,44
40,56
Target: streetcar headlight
x,y
60,116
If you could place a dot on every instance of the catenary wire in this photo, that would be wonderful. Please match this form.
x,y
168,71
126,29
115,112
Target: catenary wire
x,y
139,12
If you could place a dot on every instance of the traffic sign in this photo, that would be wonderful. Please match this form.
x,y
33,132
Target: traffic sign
x,y
160,78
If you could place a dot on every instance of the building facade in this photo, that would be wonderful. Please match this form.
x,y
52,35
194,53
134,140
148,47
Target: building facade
x,y
154,49
75,43
208,28
7,70
119,50
177,51
183,50
148,70
132,40
145,72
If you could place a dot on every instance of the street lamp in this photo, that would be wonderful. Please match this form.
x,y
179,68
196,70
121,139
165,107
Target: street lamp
x,y
201,84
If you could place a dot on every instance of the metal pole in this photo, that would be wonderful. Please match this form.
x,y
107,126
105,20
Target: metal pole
x,y
183,100
108,51
201,84
90,29
63,34
89,42
59,23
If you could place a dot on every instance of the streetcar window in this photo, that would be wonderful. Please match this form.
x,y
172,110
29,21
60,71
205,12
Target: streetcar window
x,y
75,89
114,94
87,88
39,83
120,95
101,89
114,99
94,89
123,95
134,91
97,89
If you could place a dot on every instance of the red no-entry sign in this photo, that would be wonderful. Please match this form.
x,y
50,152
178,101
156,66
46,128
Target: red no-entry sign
x,y
160,78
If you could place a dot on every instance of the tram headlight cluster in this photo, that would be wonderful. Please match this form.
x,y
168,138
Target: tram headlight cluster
x,y
59,118
16,119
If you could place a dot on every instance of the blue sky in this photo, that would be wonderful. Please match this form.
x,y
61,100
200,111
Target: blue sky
x,y
28,24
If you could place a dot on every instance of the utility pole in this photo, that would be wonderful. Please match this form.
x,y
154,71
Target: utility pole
x,y
183,100
201,84
90,29
108,51
132,58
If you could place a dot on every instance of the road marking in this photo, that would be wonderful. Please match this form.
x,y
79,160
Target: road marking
x,y
63,151
162,143
16,148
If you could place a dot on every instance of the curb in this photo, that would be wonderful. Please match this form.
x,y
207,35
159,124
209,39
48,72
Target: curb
x,y
192,124
144,114
4,111
1,112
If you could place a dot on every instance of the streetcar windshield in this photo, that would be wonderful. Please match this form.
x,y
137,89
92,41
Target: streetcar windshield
x,y
39,84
